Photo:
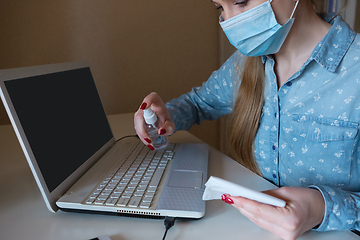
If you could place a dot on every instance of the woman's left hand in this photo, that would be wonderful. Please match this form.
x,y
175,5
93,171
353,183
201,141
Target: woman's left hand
x,y
304,210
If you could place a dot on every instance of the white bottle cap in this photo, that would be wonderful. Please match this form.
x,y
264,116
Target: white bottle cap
x,y
149,116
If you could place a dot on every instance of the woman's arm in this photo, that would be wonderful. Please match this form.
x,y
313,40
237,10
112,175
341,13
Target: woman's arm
x,y
210,101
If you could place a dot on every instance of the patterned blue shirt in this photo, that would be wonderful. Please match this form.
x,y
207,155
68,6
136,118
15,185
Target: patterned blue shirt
x,y
309,128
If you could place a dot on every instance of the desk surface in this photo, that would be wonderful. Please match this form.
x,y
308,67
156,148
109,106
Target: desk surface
x,y
23,214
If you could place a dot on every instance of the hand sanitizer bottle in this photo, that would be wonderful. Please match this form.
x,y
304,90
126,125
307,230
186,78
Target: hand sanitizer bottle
x,y
152,125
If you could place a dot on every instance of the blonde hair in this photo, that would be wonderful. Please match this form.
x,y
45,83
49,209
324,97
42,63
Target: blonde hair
x,y
247,111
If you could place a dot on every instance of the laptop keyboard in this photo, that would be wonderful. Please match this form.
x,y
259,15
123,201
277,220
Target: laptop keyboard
x,y
133,183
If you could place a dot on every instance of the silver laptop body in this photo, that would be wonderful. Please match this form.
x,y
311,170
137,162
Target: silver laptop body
x,y
62,127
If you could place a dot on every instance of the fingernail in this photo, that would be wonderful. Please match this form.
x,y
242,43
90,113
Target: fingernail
x,y
150,147
147,140
162,131
143,106
227,199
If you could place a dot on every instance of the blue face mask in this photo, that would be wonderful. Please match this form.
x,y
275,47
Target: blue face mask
x,y
256,31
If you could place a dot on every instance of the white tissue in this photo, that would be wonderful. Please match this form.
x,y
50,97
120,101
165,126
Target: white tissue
x,y
216,187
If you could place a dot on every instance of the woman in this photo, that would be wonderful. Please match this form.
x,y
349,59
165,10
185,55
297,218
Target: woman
x,y
293,91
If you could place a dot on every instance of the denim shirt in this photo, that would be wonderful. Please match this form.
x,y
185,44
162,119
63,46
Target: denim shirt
x,y
309,129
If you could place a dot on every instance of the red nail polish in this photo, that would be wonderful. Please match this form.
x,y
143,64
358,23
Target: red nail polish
x,y
147,140
162,131
143,106
227,199
150,147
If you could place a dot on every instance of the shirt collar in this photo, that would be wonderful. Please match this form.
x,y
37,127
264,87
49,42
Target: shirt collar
x,y
332,48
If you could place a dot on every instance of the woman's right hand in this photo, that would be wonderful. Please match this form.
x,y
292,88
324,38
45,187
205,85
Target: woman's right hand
x,y
154,101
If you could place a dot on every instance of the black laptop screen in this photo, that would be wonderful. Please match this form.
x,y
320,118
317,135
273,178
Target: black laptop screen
x,y
63,120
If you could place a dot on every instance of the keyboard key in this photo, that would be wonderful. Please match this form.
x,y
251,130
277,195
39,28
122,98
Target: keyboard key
x,y
93,196
139,193
164,160
127,178
99,202
151,190
115,195
134,181
126,195
129,190
115,180
119,190
145,205
110,188
147,199
150,194
123,184
106,192
102,197
157,176
134,201
139,173
111,201
124,181
123,202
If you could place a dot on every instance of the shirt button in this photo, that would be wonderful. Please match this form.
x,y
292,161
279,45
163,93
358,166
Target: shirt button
x,y
273,147
275,114
289,84
274,175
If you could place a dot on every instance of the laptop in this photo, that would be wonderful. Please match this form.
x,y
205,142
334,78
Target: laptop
x,y
77,163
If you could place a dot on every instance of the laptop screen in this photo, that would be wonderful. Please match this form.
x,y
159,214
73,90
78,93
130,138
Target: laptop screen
x,y
63,119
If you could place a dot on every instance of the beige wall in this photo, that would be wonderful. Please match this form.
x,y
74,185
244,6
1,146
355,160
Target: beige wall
x,y
133,47
357,20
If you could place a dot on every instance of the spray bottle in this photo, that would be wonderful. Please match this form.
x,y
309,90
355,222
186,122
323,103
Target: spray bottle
x,y
152,125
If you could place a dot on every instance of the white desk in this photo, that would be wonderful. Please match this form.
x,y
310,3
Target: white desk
x,y
23,214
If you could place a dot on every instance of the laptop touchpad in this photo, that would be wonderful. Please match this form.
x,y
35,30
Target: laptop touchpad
x,y
185,179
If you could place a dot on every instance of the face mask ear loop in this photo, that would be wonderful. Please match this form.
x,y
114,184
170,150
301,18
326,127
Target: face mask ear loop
x,y
296,4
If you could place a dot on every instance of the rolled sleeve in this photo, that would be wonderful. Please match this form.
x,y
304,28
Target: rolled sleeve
x,y
341,209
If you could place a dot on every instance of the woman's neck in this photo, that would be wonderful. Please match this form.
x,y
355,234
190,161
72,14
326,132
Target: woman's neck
x,y
308,30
